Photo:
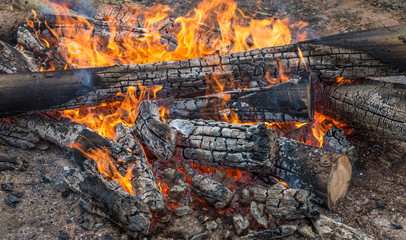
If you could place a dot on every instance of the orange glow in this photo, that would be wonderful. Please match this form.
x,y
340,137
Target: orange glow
x,y
105,164
341,81
315,130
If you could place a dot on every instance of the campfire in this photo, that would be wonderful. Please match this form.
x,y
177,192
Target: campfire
x,y
215,113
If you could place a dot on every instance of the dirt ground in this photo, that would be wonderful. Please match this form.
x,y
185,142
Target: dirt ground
x,y
375,203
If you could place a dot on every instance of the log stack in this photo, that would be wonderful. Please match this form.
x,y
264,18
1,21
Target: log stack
x,y
191,96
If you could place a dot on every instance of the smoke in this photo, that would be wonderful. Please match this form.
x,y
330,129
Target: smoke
x,y
86,81
83,7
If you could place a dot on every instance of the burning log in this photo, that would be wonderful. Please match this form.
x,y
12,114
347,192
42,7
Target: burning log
x,y
190,78
68,135
254,148
375,107
108,199
291,101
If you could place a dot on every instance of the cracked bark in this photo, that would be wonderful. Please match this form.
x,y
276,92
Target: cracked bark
x,y
373,107
64,133
108,199
193,77
247,147
13,60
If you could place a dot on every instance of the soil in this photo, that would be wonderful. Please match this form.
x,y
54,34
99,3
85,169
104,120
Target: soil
x,y
375,203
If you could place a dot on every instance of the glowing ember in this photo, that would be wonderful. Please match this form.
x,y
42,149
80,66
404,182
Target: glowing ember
x,y
105,165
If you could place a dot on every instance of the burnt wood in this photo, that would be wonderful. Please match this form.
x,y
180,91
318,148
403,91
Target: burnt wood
x,y
247,147
194,77
14,60
377,108
65,134
284,203
290,101
108,199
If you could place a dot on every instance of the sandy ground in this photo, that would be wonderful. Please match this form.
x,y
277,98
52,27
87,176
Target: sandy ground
x,y
375,203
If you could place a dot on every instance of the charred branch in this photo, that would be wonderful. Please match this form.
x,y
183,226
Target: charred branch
x,y
108,199
210,190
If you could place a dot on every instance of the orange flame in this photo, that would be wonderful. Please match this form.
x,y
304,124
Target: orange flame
x,y
105,165
214,26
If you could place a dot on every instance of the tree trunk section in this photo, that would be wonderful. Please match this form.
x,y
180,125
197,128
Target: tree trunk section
x,y
247,147
373,107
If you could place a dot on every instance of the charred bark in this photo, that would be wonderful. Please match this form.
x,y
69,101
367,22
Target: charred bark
x,y
65,134
16,136
194,77
13,60
250,147
376,108
291,101
108,199
210,190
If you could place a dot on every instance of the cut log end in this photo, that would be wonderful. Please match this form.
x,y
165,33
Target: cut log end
x,y
339,180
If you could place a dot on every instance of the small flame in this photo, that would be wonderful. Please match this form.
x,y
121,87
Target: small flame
x,y
105,165
341,81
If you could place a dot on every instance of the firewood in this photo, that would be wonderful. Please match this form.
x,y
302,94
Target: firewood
x,y
65,133
190,78
291,101
285,203
13,135
376,108
14,60
248,147
108,199
209,189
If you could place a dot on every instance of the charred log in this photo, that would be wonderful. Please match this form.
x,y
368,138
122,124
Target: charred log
x,y
190,78
143,178
255,148
66,134
291,101
376,108
108,199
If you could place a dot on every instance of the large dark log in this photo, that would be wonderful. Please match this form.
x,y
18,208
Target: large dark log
x,y
291,101
248,147
375,107
194,77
